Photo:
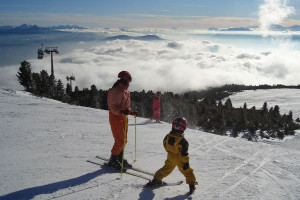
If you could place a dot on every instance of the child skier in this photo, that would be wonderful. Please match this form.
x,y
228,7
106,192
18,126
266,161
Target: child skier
x,y
177,147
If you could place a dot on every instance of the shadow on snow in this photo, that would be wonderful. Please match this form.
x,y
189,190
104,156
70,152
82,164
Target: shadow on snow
x,y
30,193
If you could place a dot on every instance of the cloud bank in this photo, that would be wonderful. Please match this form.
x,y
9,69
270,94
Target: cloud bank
x,y
176,66
274,12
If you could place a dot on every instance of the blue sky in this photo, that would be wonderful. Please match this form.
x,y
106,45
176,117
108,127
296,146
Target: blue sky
x,y
137,13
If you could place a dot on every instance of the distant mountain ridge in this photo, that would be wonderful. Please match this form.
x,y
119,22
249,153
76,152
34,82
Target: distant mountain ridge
x,y
25,28
126,37
274,27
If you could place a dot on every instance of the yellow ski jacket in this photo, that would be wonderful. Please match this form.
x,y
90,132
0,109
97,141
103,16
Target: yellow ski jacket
x,y
176,144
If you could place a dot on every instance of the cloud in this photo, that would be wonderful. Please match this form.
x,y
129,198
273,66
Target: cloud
x,y
176,65
192,65
174,45
273,12
8,78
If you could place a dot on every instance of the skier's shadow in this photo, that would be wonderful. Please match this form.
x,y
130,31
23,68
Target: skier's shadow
x,y
146,194
180,197
30,193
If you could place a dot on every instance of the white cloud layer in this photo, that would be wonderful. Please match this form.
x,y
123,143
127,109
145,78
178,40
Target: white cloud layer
x,y
274,12
175,66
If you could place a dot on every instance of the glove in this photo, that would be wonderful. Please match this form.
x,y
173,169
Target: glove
x,y
125,112
186,166
134,113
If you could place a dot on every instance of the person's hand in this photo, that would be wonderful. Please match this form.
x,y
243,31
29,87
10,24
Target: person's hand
x,y
134,113
125,112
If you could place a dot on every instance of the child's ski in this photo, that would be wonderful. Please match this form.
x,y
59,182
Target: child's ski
x,y
137,175
165,184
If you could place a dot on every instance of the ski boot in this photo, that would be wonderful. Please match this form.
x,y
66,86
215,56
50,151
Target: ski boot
x,y
154,183
192,188
126,165
114,163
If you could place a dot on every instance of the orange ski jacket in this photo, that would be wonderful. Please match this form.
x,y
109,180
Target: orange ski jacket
x,y
118,99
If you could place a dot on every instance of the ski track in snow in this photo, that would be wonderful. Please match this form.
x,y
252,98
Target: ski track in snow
x,y
44,145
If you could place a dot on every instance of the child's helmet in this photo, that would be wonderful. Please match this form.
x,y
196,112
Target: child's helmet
x,y
179,124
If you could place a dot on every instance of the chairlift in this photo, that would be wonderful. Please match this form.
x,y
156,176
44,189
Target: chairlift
x,y
40,53
49,50
55,51
72,78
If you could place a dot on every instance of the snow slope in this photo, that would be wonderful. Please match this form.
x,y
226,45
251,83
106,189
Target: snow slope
x,y
287,99
44,145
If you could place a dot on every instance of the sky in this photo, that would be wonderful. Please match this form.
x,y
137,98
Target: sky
x,y
139,13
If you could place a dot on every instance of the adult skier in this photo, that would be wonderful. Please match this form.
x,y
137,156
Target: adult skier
x,y
177,148
118,100
156,107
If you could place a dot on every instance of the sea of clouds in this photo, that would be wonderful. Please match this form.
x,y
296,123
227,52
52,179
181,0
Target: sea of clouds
x,y
176,66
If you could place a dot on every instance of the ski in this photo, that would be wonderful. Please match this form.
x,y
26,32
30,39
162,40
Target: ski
x,y
138,175
133,168
165,184
125,171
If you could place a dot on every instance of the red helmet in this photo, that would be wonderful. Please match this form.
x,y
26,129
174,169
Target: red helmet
x,y
158,93
179,124
125,75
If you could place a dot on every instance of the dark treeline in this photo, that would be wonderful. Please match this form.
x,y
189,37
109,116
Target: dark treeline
x,y
203,109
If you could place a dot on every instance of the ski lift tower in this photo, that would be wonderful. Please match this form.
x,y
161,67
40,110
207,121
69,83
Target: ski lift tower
x,y
71,78
51,50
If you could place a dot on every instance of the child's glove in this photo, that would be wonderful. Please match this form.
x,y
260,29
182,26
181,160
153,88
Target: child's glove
x,y
186,166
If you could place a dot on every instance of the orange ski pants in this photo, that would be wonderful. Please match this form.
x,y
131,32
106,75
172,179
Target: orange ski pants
x,y
117,124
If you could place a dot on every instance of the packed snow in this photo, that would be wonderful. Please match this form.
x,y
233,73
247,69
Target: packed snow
x,y
44,146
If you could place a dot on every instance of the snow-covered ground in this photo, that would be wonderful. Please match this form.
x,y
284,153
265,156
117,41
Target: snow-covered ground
x,y
287,99
44,145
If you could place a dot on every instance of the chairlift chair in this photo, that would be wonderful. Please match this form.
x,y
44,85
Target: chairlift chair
x,y
40,53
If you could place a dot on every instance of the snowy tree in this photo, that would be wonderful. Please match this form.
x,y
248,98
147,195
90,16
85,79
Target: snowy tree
x,y
68,89
24,76
60,90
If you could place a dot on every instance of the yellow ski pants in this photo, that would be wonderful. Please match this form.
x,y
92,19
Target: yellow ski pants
x,y
171,162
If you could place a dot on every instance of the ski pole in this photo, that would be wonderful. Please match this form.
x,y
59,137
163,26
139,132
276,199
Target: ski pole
x,y
125,131
135,139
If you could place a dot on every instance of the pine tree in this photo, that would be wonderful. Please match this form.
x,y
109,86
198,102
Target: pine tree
x,y
69,89
45,83
36,83
228,104
290,117
276,110
59,90
24,76
94,97
76,96
265,107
